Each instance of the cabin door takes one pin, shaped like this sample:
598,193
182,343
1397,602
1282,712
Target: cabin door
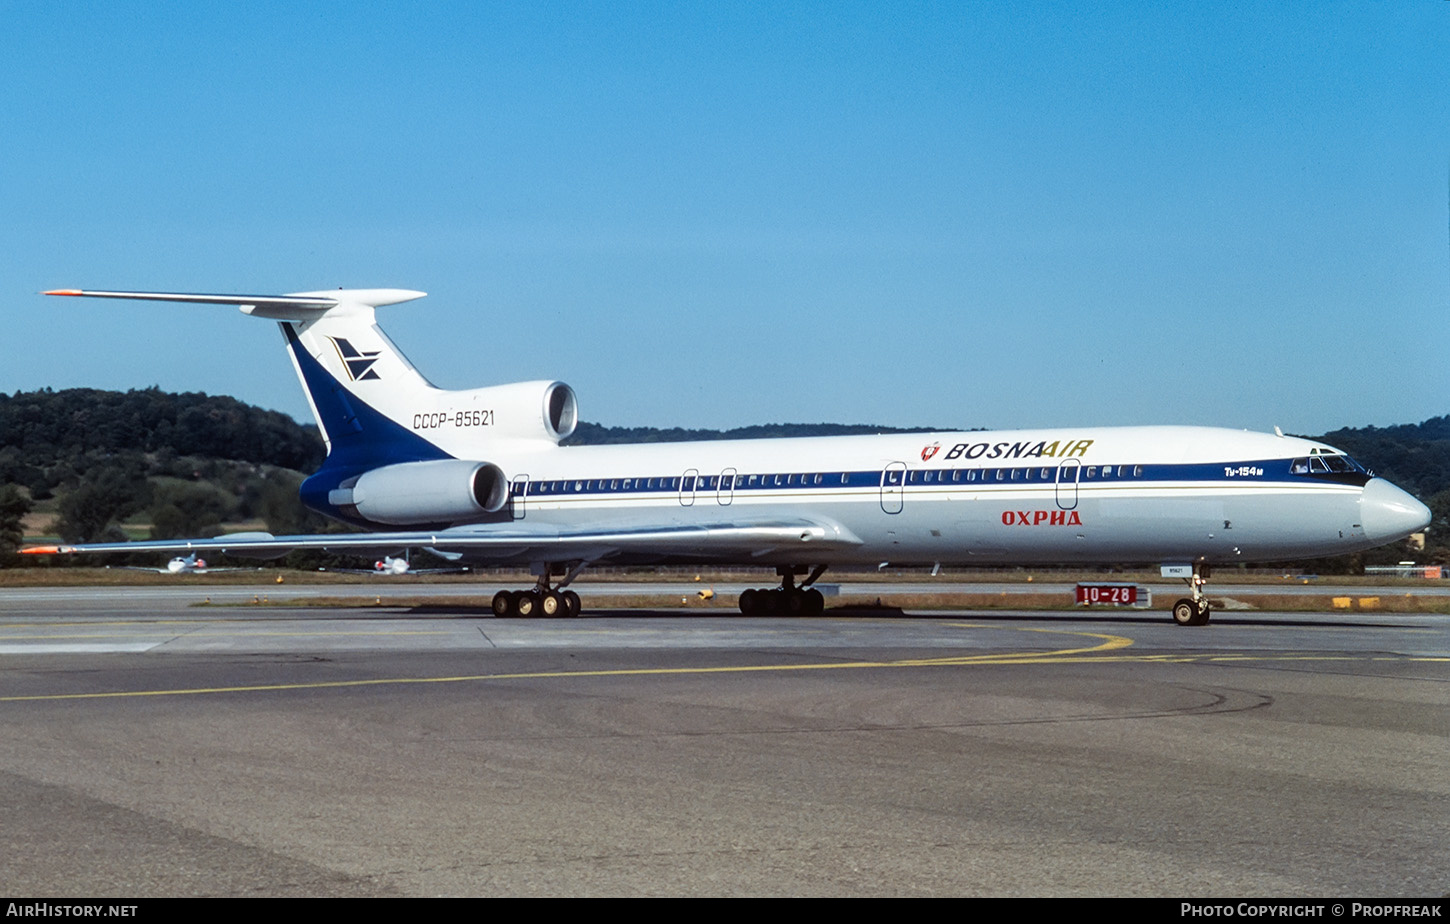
726,492
517,494
893,487
1067,474
687,487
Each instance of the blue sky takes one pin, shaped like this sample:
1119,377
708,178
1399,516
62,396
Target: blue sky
953,214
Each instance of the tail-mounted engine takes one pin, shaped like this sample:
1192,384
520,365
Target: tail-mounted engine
523,410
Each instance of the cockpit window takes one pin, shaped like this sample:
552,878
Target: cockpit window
1325,464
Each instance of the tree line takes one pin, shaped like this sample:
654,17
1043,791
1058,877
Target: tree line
190,462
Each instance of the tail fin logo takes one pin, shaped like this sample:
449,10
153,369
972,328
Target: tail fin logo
359,365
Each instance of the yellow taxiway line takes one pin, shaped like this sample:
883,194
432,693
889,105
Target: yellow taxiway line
1097,653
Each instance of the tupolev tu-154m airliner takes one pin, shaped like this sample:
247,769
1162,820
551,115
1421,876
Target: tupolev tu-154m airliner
478,476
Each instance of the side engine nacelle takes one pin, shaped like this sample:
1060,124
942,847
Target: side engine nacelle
424,493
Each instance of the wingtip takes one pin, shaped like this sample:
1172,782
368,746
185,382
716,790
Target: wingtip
43,550
64,292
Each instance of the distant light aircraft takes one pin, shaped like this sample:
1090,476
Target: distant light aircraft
190,564
478,475
388,566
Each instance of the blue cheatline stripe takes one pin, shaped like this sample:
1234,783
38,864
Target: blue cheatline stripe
362,437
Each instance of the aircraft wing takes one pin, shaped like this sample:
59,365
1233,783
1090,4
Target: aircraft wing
517,542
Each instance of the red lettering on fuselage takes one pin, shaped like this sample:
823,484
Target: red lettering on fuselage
1041,518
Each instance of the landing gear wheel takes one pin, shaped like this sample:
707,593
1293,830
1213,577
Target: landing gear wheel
1184,612
797,602
1188,613
503,604
551,604
815,602
749,602
572,604
526,603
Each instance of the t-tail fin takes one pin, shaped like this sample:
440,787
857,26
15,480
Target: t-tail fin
360,386
373,407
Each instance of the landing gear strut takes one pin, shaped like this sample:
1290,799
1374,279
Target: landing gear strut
541,599
787,599
1194,610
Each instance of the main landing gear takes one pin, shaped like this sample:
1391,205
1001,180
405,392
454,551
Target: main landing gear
787,599
1194,610
541,599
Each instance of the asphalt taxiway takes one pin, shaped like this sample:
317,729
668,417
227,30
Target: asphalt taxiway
149,747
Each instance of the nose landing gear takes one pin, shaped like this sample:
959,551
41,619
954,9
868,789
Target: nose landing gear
1194,610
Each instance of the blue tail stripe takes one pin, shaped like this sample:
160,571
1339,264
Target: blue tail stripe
362,437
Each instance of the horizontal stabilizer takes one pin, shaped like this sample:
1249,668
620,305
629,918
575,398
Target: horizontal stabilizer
298,306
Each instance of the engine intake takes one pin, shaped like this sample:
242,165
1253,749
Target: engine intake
528,410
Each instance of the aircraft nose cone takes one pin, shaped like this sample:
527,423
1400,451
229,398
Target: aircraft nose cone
1387,513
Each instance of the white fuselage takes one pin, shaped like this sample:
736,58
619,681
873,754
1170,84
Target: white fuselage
1082,495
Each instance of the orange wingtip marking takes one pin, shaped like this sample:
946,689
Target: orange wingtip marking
41,550
63,292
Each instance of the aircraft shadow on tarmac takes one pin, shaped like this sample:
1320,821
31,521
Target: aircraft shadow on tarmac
1297,621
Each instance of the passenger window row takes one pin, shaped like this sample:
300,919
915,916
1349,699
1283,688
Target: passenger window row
891,476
